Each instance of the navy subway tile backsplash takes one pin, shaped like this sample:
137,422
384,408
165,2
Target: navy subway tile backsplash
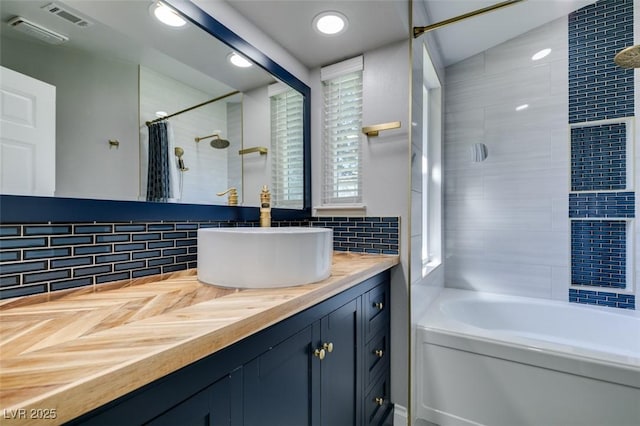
65,256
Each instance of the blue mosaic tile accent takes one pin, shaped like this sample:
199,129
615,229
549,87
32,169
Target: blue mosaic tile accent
598,157
598,253
603,298
602,205
598,89
75,255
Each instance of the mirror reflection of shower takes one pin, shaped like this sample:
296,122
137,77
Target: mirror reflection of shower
217,142
179,152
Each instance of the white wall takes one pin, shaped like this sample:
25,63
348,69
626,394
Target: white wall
506,226
386,176
256,168
97,100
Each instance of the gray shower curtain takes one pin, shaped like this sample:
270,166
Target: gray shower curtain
158,173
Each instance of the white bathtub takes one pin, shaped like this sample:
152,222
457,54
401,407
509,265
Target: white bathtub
504,360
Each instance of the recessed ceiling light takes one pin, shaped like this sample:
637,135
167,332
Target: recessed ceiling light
521,107
541,54
330,23
167,15
238,61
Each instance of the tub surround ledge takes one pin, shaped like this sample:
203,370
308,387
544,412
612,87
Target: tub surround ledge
64,355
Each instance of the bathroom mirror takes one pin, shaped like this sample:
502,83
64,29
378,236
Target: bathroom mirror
121,68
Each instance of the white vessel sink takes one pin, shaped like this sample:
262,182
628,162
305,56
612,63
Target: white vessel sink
264,257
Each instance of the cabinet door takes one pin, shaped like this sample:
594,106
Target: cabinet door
279,384
219,404
340,370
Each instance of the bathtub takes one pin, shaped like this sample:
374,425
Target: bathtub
486,359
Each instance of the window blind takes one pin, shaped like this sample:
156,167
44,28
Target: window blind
342,123
287,174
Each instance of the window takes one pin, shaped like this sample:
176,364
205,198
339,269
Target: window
342,124
287,176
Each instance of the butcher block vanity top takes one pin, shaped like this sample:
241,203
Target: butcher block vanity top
64,354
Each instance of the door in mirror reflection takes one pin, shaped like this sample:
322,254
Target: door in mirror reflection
27,135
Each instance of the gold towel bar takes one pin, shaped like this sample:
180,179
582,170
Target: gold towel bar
261,149
375,130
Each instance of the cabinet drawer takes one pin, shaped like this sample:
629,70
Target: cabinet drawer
376,357
376,310
377,403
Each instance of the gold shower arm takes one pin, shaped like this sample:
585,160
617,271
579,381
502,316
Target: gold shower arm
418,31
198,139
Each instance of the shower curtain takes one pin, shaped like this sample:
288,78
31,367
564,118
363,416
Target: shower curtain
159,173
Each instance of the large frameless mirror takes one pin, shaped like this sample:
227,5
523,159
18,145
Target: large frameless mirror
142,111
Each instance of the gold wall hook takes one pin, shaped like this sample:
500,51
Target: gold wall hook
375,130
261,149
114,142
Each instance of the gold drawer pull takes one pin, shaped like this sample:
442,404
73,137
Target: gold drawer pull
379,305
328,347
379,401
320,353
379,353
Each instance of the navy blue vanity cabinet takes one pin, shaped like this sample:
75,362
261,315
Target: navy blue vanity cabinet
320,367
312,378
377,403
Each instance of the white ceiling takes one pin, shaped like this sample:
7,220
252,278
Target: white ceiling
375,23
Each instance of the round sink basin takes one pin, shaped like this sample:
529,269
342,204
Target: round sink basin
264,257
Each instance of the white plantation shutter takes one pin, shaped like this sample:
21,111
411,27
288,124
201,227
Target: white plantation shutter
342,124
287,175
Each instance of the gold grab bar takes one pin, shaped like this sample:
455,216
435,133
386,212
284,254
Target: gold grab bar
375,130
261,149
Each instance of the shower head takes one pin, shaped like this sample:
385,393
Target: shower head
219,143
628,57
179,152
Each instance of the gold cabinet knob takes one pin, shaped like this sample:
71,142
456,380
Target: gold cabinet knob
328,347
379,305
320,353
379,401
379,353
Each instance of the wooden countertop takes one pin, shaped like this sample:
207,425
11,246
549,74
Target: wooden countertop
66,354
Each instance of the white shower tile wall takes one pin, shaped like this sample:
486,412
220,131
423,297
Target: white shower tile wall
600,218
506,227
38,258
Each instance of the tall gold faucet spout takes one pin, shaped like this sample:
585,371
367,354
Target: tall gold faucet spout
265,207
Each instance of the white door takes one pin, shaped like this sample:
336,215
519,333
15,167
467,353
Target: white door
27,135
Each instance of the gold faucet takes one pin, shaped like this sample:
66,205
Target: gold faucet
265,207
233,196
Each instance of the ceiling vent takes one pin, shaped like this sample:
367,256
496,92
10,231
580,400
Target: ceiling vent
37,31
67,15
